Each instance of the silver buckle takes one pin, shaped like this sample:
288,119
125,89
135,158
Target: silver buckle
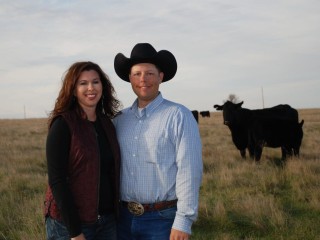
135,208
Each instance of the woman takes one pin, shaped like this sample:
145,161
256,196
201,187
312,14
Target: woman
83,157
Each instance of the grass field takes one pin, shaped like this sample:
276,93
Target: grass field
239,199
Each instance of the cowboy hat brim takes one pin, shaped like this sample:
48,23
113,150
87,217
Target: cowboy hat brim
145,53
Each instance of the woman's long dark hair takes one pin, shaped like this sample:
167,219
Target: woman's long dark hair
66,101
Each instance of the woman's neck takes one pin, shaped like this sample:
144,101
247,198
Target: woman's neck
91,114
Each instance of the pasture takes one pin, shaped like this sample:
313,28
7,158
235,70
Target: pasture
239,199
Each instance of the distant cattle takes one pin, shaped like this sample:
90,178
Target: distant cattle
195,113
205,113
269,127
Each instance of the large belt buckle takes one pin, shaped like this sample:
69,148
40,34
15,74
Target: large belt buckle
135,208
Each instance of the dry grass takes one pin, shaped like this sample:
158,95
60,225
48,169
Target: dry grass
239,199
23,178
244,200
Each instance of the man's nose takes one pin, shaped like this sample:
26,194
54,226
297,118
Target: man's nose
143,77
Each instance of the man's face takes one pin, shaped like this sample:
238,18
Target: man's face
145,79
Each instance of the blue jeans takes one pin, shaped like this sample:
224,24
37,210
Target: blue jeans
154,225
103,229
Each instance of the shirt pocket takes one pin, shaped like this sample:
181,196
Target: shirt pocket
158,149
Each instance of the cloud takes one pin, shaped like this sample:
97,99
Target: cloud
222,47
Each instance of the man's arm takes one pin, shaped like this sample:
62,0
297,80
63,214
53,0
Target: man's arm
189,174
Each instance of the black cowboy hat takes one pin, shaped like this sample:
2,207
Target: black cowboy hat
145,53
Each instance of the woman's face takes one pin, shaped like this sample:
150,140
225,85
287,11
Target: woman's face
88,89
145,79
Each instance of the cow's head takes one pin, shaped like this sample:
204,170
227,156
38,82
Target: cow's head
297,138
228,109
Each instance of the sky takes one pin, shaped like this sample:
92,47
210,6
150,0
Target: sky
264,52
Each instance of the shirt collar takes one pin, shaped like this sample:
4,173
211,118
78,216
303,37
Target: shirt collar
149,108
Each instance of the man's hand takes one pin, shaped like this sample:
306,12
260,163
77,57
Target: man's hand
79,237
178,235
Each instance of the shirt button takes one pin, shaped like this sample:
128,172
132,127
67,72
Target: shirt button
133,155
135,137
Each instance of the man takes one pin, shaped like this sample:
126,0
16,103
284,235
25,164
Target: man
161,152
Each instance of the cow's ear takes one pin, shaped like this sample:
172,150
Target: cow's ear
218,107
301,123
239,104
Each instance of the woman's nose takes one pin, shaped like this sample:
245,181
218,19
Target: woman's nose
90,86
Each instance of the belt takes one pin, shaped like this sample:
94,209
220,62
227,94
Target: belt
138,209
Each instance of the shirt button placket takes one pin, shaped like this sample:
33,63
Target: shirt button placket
136,137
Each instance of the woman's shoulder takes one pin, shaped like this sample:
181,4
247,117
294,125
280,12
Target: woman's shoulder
59,121
59,126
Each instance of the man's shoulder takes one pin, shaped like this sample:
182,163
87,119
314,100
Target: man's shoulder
176,106
121,115
123,111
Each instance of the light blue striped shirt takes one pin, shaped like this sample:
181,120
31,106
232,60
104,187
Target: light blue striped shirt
161,157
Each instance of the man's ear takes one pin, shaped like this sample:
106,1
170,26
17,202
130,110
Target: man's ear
161,76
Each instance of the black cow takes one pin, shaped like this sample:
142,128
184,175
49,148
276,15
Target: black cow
205,113
243,124
195,113
274,133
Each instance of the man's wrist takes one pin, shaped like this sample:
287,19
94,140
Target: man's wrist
182,224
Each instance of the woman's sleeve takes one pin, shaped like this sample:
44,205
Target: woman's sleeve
57,152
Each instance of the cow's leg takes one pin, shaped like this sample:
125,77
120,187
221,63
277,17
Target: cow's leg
243,153
258,153
289,151
253,147
284,153
251,151
296,152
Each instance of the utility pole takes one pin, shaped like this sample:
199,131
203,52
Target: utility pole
262,97
24,112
